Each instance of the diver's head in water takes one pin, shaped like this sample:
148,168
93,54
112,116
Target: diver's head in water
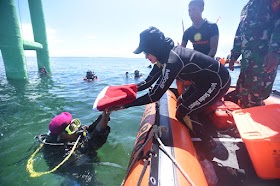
90,74
43,70
136,73
63,128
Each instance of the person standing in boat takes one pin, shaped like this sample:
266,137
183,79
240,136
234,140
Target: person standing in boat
210,80
203,34
257,39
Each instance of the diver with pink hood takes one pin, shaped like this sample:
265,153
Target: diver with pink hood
64,129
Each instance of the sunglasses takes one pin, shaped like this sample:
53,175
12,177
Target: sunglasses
73,126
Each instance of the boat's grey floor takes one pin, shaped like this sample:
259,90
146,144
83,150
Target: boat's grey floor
235,168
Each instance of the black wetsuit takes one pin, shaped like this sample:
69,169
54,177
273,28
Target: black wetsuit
200,37
80,165
210,81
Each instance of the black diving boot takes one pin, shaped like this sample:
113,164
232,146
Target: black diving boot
214,149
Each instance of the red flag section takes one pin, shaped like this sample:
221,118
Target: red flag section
114,96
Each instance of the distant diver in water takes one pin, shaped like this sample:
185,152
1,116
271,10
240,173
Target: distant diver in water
43,70
90,76
126,74
137,74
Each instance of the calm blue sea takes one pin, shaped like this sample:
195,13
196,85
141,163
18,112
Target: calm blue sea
27,107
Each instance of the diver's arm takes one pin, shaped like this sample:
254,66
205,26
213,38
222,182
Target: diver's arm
103,123
99,134
94,124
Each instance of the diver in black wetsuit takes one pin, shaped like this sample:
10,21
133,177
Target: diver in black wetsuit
58,144
90,76
63,130
209,80
137,74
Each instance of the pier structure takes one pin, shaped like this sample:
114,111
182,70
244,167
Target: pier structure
12,45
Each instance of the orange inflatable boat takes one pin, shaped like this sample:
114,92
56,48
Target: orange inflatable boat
163,153
166,154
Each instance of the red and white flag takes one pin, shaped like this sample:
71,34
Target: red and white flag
114,96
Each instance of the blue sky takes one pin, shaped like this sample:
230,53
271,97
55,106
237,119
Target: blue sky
111,28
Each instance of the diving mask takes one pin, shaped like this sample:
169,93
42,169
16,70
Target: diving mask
73,126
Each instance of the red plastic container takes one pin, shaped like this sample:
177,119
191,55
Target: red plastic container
221,114
259,128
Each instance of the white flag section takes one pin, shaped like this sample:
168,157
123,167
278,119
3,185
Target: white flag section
100,96
114,96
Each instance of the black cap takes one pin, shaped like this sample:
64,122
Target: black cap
150,40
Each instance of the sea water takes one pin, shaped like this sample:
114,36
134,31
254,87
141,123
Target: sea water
26,108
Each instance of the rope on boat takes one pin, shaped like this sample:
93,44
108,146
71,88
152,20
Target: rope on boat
147,160
30,162
162,147
156,132
136,159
